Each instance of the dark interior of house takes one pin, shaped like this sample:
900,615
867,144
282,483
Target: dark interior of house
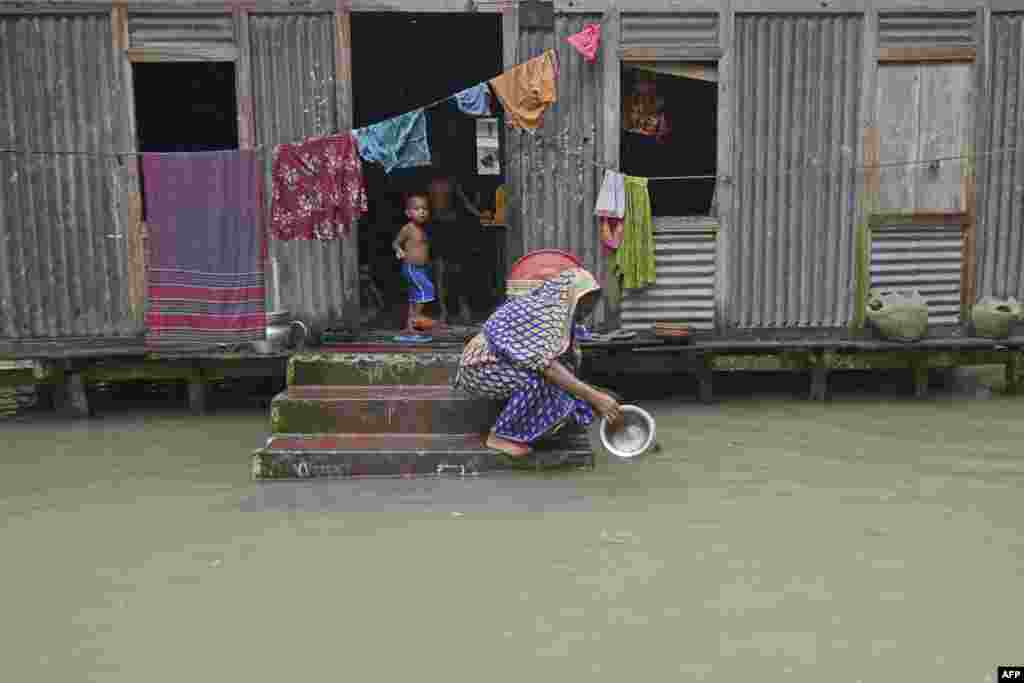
691,149
401,62
185,106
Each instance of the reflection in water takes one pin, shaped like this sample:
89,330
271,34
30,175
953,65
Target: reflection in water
766,540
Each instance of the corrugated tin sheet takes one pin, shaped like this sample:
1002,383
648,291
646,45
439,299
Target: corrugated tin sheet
293,72
685,289
665,32
791,250
1001,175
63,256
926,29
925,258
552,173
145,30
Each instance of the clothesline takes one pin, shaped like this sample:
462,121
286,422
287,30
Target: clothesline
255,148
598,164
857,167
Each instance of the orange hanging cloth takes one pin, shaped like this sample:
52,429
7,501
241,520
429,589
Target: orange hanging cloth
526,91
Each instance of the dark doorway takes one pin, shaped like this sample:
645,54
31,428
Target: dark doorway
401,62
185,106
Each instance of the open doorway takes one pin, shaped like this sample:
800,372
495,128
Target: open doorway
185,106
670,128
386,83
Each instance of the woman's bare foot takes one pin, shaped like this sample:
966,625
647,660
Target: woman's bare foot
516,450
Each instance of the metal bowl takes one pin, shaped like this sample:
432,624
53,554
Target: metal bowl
632,436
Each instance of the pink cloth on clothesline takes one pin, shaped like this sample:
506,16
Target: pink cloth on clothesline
587,41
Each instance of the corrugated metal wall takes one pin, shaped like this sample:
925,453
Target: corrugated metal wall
552,172
293,73
1001,175
148,30
62,239
685,289
664,33
791,250
926,29
925,258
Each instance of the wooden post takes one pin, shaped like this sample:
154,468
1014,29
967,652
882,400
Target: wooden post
1012,369
920,370
868,182
610,40
705,380
243,80
130,198
76,400
978,142
343,93
725,185
819,383
511,137
197,394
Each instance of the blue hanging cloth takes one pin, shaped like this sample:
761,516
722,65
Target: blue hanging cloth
474,101
399,142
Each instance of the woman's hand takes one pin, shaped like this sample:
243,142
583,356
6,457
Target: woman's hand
607,407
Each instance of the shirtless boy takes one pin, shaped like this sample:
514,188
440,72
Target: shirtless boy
413,249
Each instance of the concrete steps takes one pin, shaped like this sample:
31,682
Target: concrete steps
412,409
374,369
303,456
390,414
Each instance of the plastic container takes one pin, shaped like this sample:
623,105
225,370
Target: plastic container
532,270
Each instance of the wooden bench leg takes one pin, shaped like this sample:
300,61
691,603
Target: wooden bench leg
920,381
819,384
705,385
197,396
1012,367
76,403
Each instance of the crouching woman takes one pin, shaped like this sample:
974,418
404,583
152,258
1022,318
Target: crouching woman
527,354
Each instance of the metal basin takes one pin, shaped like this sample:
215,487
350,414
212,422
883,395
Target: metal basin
632,436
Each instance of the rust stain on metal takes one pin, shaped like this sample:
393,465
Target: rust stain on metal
918,55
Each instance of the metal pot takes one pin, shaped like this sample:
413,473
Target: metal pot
281,335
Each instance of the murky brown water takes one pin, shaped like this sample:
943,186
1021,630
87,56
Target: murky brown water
872,539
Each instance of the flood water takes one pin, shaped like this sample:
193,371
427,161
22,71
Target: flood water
874,538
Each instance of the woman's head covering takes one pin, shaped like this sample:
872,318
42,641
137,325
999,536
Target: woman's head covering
534,329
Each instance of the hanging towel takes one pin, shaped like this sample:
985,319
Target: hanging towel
587,41
474,101
634,260
318,189
400,142
611,209
207,248
526,91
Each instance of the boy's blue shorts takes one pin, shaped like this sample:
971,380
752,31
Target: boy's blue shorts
421,288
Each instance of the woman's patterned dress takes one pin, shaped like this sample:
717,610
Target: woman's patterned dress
507,359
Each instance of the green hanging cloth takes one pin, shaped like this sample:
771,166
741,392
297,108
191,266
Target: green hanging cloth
634,259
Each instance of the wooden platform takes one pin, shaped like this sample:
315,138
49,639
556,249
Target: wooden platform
62,370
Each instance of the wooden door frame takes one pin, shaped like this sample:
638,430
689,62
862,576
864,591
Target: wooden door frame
966,217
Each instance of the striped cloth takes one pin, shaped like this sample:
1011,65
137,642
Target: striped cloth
207,248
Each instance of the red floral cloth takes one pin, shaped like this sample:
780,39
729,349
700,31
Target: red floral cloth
318,189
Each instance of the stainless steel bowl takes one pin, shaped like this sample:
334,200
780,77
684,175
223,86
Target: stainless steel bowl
632,436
